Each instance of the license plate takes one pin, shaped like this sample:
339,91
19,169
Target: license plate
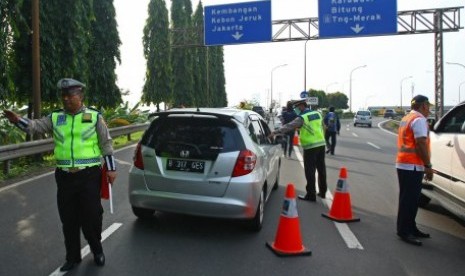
185,165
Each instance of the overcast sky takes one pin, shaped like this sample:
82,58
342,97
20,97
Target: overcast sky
388,59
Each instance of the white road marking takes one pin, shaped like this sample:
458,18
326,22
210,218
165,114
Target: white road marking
373,145
123,162
347,235
387,131
86,249
354,134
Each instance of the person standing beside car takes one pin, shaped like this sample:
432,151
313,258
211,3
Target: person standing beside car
332,127
288,117
312,140
412,164
81,138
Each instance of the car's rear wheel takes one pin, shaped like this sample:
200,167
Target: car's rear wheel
256,223
142,213
369,125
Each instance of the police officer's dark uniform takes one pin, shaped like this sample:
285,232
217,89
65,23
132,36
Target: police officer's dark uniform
81,139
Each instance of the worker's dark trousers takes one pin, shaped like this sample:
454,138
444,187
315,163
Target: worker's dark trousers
409,195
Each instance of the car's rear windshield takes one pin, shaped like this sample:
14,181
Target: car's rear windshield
201,137
363,113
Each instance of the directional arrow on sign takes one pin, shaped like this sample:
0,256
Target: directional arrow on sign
357,28
237,36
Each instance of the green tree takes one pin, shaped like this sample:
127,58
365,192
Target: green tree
157,50
64,42
102,90
8,12
338,100
217,80
200,69
182,61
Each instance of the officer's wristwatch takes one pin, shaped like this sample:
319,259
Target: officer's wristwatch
429,166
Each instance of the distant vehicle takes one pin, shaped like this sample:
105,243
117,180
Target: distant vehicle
448,160
260,110
362,117
212,162
390,113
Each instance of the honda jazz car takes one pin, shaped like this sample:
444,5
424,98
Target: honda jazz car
213,162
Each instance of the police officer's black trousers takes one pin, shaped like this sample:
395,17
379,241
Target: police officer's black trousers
314,160
79,207
409,195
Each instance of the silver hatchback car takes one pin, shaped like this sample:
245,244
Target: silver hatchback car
213,162
362,117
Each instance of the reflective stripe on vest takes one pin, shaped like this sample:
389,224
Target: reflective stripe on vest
76,141
311,132
406,150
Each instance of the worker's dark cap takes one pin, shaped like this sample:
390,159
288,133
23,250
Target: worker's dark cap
418,99
68,84
298,102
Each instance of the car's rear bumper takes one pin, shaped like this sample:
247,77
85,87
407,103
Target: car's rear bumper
234,204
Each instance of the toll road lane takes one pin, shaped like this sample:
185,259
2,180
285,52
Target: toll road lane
171,244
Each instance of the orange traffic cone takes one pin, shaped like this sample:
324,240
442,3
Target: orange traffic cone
295,142
341,209
288,241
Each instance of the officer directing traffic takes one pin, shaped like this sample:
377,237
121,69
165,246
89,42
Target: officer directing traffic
81,138
312,140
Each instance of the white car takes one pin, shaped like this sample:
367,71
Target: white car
448,159
362,117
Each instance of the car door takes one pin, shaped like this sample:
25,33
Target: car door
442,151
457,144
270,151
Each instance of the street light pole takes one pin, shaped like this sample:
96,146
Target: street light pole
271,89
409,77
305,65
463,66
350,85
456,63
460,86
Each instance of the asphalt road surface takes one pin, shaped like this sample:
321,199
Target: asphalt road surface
32,243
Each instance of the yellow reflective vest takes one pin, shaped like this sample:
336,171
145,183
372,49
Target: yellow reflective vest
76,141
312,133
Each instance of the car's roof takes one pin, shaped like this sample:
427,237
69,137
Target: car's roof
239,114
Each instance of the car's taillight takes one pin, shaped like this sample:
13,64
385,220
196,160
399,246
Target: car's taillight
138,161
245,163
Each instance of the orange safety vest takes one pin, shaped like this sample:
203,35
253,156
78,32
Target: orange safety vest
406,151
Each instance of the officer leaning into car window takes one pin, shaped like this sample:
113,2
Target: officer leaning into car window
312,140
81,138
413,164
